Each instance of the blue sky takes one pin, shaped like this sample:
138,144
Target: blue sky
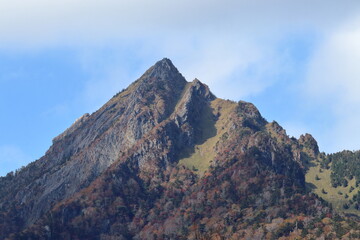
297,61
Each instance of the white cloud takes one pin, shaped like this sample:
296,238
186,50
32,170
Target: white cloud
334,79
231,45
235,70
43,22
12,158
221,61
218,42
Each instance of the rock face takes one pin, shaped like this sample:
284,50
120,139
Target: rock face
94,142
115,174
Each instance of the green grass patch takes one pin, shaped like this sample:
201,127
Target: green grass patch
320,183
200,157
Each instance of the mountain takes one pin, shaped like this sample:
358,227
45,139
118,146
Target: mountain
166,159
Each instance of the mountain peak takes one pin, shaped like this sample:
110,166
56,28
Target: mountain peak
162,68
139,166
164,63
163,71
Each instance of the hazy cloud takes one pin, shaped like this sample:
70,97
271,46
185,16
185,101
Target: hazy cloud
234,46
334,80
42,23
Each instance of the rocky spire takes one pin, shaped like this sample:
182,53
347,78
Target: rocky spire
163,71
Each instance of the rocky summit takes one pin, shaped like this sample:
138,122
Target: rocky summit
167,159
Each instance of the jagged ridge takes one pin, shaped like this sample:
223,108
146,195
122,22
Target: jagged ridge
129,169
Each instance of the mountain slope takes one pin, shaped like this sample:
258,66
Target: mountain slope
165,159
336,177
93,143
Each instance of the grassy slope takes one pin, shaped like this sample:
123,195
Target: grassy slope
332,194
202,155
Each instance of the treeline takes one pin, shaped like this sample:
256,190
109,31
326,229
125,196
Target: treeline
344,167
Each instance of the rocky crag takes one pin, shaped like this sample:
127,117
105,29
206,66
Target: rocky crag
166,159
